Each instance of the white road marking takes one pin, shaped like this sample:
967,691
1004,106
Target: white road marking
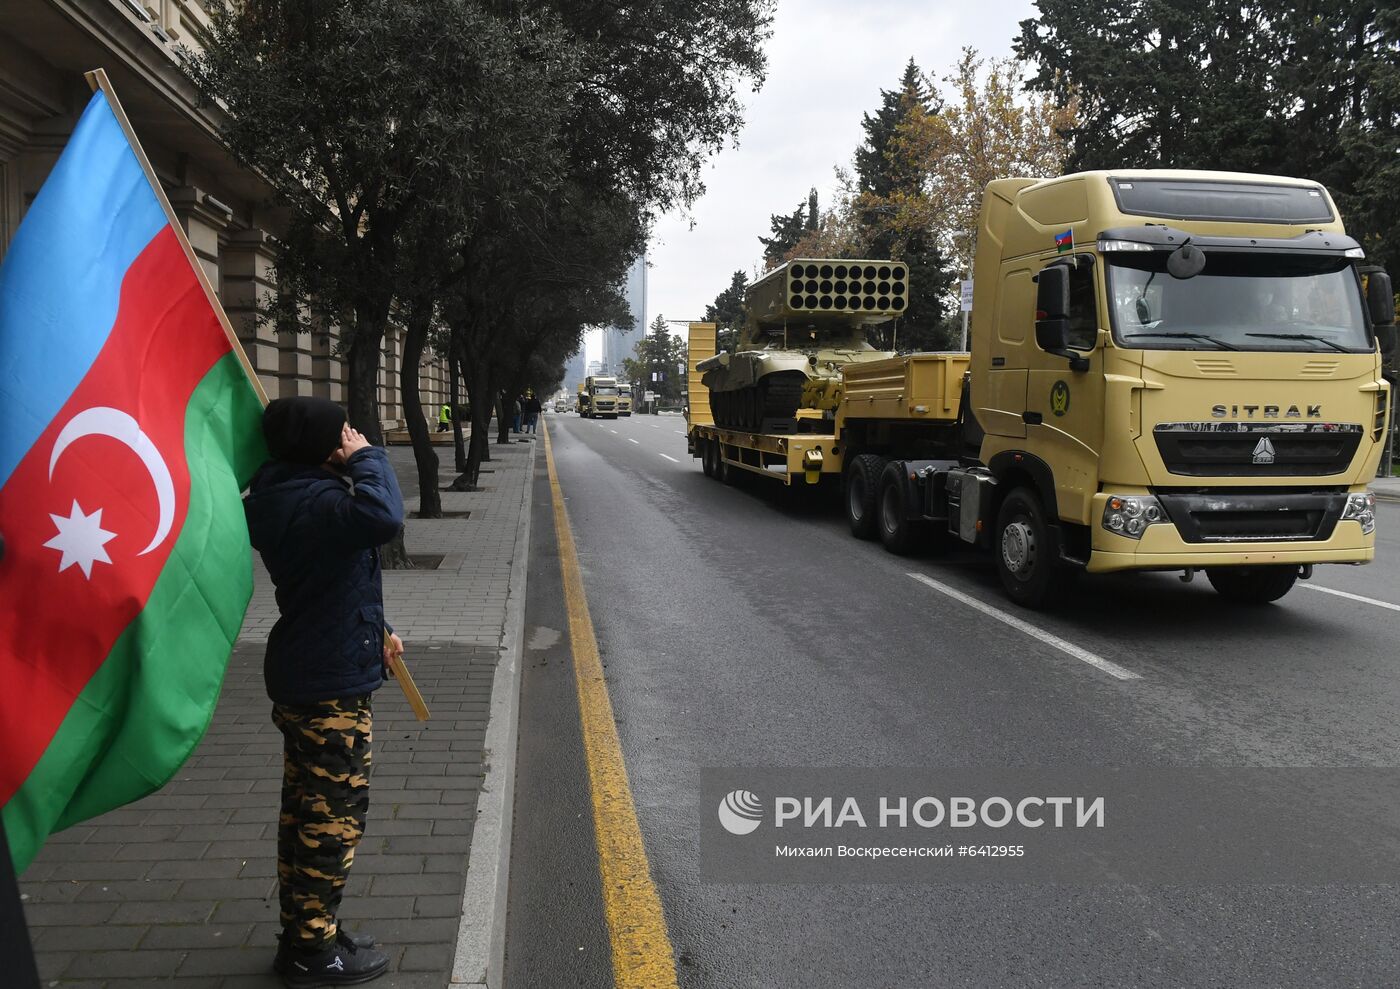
631,440
672,459
653,427
1351,597
1068,648
613,431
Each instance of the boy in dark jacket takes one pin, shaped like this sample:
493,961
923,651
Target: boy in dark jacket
317,513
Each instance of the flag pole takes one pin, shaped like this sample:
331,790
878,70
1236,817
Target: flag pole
97,79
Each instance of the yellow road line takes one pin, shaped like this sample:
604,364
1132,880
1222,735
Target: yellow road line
641,948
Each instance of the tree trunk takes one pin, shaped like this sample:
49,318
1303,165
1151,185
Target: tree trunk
454,395
362,363
478,381
415,338
362,374
504,418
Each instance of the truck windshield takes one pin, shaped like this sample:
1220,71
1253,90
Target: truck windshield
1241,301
604,390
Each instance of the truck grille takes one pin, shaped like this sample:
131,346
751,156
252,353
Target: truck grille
1249,516
1234,449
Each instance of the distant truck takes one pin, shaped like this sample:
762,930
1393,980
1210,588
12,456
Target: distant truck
581,400
624,399
598,397
1170,370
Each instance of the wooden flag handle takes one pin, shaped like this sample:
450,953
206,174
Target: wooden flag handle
401,674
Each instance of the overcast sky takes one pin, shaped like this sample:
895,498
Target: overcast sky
827,62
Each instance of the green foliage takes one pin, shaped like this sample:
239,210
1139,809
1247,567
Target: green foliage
874,172
728,312
487,170
1308,89
660,365
788,230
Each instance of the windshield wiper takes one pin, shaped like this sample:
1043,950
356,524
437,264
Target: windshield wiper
1301,336
1186,336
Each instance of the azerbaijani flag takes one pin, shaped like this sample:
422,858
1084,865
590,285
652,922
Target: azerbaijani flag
1065,241
128,429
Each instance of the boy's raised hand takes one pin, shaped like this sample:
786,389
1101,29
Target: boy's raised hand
352,441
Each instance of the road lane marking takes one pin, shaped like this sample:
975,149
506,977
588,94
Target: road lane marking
678,432
1351,597
653,426
641,947
1054,641
613,431
672,459
631,440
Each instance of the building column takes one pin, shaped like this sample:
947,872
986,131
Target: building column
328,371
246,262
205,220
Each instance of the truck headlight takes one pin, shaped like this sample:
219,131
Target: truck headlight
1130,515
1362,508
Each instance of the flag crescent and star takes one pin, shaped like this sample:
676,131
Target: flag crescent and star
80,538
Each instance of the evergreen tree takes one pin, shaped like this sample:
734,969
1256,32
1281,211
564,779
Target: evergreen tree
872,166
788,230
728,312
661,361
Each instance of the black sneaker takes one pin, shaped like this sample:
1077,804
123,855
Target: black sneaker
342,964
342,934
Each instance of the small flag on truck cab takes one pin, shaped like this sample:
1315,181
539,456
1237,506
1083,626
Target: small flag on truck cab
1065,241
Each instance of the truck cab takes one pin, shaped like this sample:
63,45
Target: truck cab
624,398
602,397
1176,370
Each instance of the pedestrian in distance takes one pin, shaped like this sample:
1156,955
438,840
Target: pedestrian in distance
444,419
318,512
514,405
532,412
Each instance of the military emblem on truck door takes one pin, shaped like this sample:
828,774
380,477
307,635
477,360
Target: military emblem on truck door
1263,451
1059,398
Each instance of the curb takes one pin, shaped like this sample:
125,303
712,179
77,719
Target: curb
479,958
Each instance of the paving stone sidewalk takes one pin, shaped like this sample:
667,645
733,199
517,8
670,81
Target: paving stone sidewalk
180,887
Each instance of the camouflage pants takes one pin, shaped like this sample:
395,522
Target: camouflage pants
325,794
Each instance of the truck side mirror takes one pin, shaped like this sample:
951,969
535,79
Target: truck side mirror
1052,316
1380,300
1052,293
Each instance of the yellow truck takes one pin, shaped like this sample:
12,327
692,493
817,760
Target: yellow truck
581,400
598,398
624,399
1169,370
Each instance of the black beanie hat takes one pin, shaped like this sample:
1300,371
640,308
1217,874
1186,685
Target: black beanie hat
302,430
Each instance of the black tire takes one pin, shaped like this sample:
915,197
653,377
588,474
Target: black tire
707,462
860,487
900,534
729,475
1027,559
1253,585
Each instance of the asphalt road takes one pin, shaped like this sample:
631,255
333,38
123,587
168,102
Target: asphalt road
739,629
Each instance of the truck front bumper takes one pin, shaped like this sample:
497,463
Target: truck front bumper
1163,547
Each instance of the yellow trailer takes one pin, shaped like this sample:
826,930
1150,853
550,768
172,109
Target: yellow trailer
879,404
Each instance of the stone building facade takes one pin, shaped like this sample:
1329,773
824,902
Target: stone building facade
46,46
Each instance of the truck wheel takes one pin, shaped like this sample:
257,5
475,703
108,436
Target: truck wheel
723,470
707,464
1252,585
862,490
900,534
1026,558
